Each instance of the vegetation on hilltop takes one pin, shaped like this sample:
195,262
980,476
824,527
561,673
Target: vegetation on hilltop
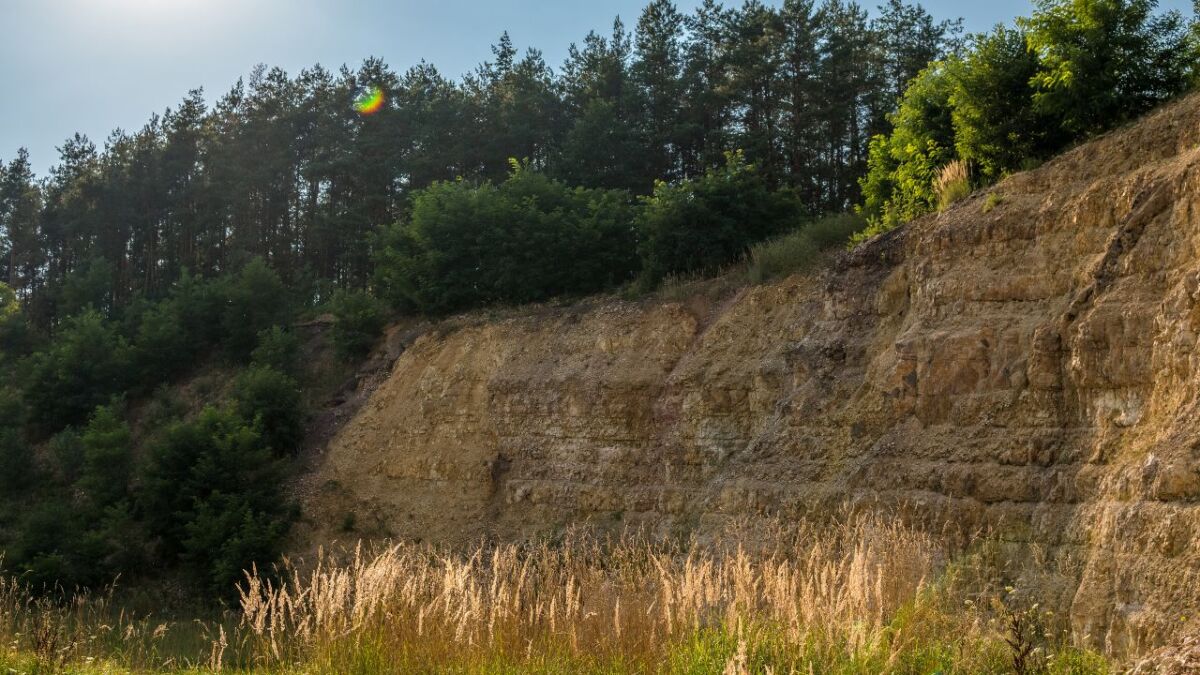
1018,95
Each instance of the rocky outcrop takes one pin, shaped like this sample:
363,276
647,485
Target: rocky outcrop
1027,362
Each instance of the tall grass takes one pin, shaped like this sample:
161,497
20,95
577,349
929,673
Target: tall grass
802,249
863,594
952,183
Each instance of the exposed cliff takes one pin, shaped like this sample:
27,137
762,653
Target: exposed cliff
1030,365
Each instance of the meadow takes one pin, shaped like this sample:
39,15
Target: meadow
864,594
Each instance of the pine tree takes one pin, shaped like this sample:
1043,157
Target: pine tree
656,74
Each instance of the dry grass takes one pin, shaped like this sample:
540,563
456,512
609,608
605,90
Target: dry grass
862,595
616,599
953,183
865,594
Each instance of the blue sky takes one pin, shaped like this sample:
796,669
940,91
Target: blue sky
96,65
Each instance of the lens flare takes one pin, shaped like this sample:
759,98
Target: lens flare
369,102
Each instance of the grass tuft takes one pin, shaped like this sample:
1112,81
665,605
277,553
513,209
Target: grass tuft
952,184
802,249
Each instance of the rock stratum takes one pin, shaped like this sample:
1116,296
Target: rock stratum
1027,362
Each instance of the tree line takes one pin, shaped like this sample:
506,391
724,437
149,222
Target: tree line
284,169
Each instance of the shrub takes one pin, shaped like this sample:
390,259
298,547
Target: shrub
279,349
107,445
66,456
702,225
360,319
86,365
1105,62
255,300
270,401
88,287
208,474
16,460
527,239
901,167
201,307
9,307
162,346
996,125
779,257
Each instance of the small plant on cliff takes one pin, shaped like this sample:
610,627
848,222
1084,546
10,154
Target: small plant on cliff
953,183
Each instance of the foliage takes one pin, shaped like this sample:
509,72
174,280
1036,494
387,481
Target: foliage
1105,62
1017,95
107,445
701,225
9,307
86,364
262,170
278,349
162,345
16,460
359,320
996,127
902,166
472,245
269,400
89,287
208,474
256,299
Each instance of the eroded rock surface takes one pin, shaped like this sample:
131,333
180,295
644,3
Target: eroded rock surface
1032,369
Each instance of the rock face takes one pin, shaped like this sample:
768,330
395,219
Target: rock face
1027,361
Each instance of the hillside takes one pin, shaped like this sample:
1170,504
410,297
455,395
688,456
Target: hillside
1024,362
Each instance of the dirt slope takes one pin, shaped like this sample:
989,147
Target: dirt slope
1031,368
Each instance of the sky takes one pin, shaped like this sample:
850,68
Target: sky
96,65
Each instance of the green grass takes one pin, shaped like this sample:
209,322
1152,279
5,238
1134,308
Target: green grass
993,200
802,249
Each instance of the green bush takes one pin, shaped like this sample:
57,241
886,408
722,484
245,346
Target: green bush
107,445
527,239
201,307
162,346
279,349
212,473
66,456
86,365
88,287
1105,62
270,401
16,460
901,167
255,300
702,225
360,319
1017,95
